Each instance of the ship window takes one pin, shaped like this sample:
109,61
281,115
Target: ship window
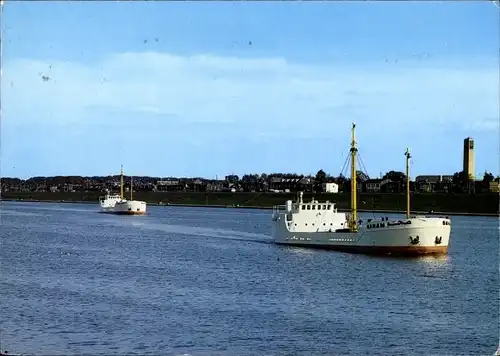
303,207
306,224
329,207
314,207
313,224
324,207
308,207
324,224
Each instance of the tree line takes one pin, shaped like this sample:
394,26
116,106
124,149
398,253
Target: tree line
321,177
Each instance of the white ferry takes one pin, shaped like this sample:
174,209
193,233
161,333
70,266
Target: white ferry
117,204
320,225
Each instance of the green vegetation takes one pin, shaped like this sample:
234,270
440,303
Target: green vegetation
481,204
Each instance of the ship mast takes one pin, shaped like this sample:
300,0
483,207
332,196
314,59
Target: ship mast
131,188
121,182
408,156
352,223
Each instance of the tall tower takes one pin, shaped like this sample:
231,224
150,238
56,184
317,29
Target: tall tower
469,158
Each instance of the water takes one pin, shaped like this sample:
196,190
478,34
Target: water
209,282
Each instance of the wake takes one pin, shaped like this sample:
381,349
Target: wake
196,231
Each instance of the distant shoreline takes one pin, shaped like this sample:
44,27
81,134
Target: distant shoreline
216,206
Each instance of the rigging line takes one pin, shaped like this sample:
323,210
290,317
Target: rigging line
345,166
364,170
362,164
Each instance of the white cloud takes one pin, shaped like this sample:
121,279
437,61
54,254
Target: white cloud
270,95
159,95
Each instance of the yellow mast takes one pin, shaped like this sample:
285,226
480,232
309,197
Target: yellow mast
408,156
121,182
352,223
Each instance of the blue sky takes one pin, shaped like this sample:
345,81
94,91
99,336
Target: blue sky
212,88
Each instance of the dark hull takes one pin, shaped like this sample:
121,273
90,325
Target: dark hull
123,212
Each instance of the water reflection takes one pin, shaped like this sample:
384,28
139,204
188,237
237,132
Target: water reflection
434,259
430,265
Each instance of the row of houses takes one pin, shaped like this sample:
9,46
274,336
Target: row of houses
423,184
447,183
426,184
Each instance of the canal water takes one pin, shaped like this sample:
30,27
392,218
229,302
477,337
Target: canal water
201,281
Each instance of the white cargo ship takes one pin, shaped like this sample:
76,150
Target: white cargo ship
320,225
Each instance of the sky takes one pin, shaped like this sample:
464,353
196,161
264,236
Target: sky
215,88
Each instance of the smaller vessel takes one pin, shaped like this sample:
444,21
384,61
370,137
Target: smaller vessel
117,204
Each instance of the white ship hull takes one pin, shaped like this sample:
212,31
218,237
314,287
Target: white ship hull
107,209
127,207
414,236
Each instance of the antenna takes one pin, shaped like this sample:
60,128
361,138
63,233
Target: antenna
121,182
353,151
408,156
131,189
